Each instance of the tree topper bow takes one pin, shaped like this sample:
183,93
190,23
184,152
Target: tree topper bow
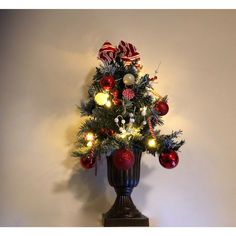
126,51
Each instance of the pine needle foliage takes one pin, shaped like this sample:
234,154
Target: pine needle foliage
100,120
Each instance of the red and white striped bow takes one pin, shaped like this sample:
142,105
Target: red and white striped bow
107,53
128,52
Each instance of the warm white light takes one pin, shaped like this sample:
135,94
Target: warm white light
101,98
143,108
90,144
129,133
89,137
152,143
108,104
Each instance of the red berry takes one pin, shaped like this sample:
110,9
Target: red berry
115,93
116,101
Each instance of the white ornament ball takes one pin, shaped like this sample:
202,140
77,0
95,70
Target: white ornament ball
116,120
143,113
131,115
123,121
132,120
144,122
129,79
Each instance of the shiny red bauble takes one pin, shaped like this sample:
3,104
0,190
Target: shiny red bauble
162,108
87,162
123,159
169,159
107,83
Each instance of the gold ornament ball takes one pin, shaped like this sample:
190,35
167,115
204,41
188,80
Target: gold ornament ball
129,79
101,98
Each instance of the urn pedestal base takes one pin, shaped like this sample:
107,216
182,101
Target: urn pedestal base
123,212
125,222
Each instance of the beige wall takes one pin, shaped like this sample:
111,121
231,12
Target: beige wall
47,58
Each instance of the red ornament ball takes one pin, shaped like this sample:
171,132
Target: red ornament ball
123,159
107,83
87,162
162,108
169,159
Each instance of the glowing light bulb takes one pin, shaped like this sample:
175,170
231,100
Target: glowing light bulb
101,98
152,143
89,137
89,144
108,104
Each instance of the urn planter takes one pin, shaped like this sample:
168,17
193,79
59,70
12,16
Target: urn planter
124,212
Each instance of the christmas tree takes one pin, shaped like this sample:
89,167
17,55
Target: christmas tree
122,112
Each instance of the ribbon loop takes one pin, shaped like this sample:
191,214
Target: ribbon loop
128,52
107,53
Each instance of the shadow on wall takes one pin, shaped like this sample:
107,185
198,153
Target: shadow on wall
89,190
92,191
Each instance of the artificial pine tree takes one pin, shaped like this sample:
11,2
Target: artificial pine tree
123,111
123,117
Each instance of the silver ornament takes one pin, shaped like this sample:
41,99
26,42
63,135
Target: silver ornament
123,121
144,122
116,120
131,115
129,79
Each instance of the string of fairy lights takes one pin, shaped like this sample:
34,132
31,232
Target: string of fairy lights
137,120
